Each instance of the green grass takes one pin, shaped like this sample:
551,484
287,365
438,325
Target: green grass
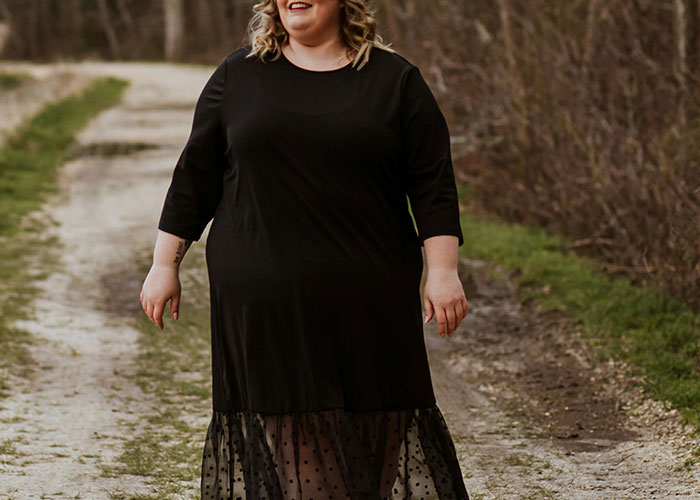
657,336
30,157
174,369
28,164
11,80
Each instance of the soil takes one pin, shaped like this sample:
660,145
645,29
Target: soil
70,418
533,412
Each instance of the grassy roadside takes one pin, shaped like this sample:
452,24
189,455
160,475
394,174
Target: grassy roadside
658,337
28,165
10,80
174,368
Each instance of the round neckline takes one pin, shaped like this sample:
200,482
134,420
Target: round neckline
313,70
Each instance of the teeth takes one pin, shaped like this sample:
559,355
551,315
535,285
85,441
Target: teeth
298,4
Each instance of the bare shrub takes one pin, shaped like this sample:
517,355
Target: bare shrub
580,116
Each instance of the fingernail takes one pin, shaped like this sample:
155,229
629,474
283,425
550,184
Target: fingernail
175,315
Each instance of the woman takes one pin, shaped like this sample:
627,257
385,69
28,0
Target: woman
304,146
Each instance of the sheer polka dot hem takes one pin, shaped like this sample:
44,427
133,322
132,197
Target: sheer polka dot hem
333,454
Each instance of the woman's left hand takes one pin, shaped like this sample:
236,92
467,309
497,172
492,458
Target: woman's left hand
443,297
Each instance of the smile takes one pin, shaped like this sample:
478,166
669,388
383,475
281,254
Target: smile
299,6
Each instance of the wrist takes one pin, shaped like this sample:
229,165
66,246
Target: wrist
166,266
441,270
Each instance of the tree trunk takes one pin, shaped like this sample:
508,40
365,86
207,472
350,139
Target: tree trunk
174,18
45,30
133,47
220,24
77,25
681,54
6,27
392,24
241,16
514,80
33,29
591,21
64,28
106,22
204,21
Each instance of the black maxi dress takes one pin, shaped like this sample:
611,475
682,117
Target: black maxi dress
321,383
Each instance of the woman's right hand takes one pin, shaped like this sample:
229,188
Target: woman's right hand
162,284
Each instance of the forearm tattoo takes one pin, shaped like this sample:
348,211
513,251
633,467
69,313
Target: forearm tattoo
182,247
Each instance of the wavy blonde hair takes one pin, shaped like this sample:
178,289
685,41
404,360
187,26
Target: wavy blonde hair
266,34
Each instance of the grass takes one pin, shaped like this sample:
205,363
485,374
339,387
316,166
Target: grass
174,369
12,80
29,161
657,336
30,157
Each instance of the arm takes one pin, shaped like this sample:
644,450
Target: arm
191,201
432,191
196,186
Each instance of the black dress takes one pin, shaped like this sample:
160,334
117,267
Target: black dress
321,383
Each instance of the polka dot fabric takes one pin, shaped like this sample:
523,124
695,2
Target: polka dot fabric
333,454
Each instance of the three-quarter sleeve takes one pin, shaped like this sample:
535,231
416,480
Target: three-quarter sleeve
427,169
196,185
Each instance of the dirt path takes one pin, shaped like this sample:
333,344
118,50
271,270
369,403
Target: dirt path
50,83
533,414
69,418
536,416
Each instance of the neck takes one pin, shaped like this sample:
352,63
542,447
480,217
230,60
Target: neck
331,48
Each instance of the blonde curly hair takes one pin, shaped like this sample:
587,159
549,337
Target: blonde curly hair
266,34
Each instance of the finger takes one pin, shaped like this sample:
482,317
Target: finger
175,306
441,319
465,304
158,314
428,308
450,313
149,311
459,309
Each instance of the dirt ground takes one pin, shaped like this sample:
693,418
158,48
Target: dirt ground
533,413
536,415
70,417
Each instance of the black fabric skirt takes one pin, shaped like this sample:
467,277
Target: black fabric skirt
333,454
